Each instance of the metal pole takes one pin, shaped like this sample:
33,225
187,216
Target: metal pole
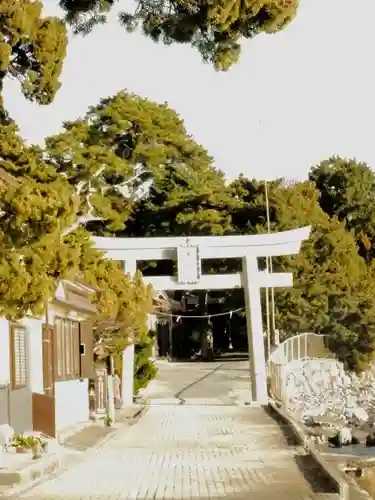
270,267
268,321
266,291
272,302
170,347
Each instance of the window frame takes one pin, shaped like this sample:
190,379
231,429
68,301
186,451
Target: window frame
19,363
67,353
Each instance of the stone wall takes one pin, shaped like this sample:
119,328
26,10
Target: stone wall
318,387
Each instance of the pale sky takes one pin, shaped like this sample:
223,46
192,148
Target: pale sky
294,99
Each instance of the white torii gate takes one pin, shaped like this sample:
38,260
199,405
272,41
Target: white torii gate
189,253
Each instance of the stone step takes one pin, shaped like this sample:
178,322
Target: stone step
162,401
88,437
325,496
204,401
27,471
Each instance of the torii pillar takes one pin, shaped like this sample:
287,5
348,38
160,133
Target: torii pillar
189,253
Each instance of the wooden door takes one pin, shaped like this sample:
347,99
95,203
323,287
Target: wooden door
86,349
43,405
48,360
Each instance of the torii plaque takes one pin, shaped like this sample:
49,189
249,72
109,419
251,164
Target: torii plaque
189,253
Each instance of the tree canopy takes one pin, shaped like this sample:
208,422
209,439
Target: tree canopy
130,168
143,169
32,49
216,29
33,212
333,290
37,248
347,191
183,200
173,188
123,303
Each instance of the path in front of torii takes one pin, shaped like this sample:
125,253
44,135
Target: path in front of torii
207,448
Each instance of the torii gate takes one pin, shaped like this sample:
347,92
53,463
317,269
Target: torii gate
189,253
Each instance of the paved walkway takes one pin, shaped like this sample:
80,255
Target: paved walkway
186,452
223,382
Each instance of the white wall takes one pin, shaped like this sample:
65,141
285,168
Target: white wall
34,353
71,396
4,406
20,410
57,310
17,404
20,400
152,321
72,403
4,371
4,352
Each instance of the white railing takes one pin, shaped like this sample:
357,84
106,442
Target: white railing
298,347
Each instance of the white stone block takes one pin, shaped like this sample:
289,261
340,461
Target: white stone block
345,436
6,435
361,414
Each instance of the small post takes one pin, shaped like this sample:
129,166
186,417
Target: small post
258,371
127,382
130,268
2,456
111,412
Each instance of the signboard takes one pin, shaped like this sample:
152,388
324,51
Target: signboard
188,264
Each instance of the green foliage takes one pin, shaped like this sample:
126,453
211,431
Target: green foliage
32,49
215,28
144,369
126,142
347,191
36,251
33,213
41,203
333,290
123,304
183,200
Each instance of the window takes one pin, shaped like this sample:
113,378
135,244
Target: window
18,356
67,355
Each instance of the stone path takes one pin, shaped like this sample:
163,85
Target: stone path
87,437
186,452
220,382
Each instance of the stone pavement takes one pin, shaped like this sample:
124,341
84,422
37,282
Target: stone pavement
221,382
187,452
88,437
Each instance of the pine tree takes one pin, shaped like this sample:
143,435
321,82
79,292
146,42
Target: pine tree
37,249
32,49
347,191
333,290
183,200
33,212
216,28
137,160
123,303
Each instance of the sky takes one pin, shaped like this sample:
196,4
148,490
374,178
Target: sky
294,99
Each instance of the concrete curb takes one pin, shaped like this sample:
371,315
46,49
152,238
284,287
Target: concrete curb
32,472
338,481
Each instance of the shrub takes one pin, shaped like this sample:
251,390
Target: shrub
144,369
